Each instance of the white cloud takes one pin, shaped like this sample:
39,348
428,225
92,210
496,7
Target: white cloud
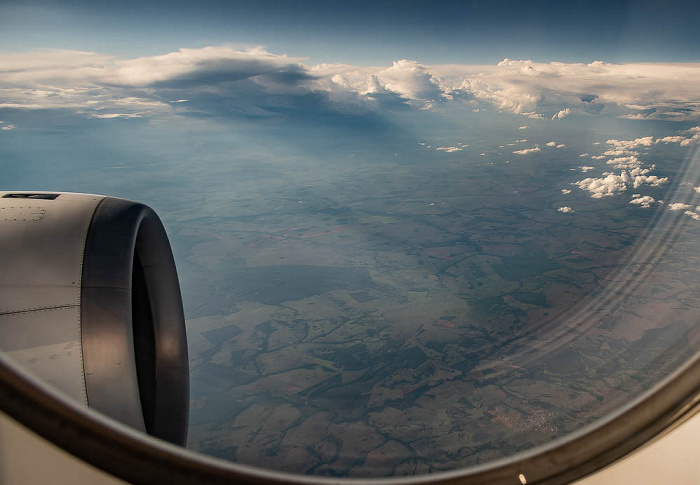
598,157
678,206
690,141
625,162
697,189
683,140
7,127
251,79
116,115
521,141
586,169
583,155
562,114
449,149
411,80
551,143
618,152
561,145
645,141
671,139
651,180
604,186
525,151
565,209
644,201
692,215
565,191
524,127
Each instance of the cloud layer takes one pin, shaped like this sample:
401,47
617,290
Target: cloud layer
253,82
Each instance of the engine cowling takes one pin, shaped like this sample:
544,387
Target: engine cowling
91,303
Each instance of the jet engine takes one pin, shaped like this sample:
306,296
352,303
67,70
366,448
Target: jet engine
90,303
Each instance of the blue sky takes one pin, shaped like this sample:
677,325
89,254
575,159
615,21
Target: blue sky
366,32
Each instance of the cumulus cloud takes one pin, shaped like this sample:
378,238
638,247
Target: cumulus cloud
565,210
671,139
604,186
525,151
598,157
562,114
625,162
678,206
683,141
651,180
586,169
583,155
524,127
642,201
561,145
692,215
565,191
551,143
449,149
645,141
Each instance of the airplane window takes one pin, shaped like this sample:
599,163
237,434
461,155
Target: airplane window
411,238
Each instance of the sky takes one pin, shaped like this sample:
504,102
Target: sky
366,32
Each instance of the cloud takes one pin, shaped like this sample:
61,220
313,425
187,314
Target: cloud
521,141
683,140
678,206
561,145
651,180
586,169
565,191
671,139
231,82
625,162
604,186
551,144
449,149
565,209
6,127
524,127
644,201
525,151
562,114
116,115
598,157
583,155
692,215
629,145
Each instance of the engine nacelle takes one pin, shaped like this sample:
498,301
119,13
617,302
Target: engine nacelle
90,302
